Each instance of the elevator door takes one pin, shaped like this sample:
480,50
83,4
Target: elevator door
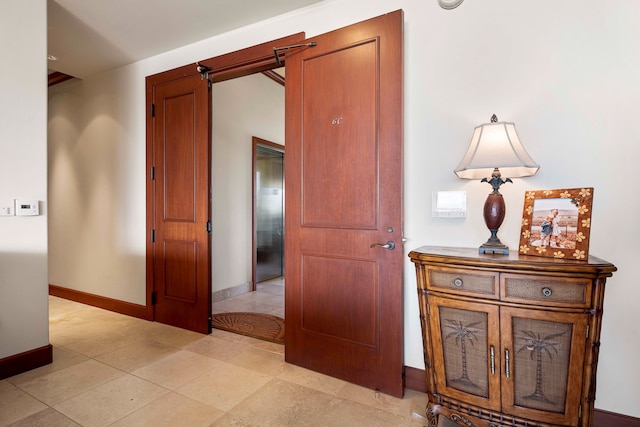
269,186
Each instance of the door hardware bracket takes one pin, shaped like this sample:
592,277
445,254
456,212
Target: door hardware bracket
203,70
276,50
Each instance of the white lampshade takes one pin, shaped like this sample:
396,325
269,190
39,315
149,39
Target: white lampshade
496,145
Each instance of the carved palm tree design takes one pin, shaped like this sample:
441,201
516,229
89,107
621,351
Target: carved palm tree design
535,344
462,334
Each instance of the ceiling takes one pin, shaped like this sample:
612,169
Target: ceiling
91,36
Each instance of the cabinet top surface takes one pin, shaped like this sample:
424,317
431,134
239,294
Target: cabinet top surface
471,257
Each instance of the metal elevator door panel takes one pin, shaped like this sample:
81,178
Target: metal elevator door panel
269,213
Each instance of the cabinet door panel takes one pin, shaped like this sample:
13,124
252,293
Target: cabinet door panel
466,350
543,376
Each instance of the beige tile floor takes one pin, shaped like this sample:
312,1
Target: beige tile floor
115,370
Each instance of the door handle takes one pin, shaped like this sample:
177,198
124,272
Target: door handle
507,371
389,245
492,353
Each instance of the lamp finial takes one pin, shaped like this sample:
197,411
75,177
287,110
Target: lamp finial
496,180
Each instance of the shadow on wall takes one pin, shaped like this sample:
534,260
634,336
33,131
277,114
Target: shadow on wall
22,271
24,290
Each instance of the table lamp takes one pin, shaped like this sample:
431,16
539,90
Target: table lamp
495,149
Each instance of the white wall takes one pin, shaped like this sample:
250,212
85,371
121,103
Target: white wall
567,73
97,181
97,186
23,174
242,108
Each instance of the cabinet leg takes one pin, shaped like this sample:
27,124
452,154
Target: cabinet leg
432,417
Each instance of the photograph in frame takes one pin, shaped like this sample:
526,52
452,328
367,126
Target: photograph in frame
557,223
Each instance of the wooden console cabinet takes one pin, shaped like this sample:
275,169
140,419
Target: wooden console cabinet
509,340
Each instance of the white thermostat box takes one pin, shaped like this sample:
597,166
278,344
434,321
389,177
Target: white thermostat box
27,207
449,204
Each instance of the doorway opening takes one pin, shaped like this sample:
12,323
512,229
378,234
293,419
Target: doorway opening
247,142
268,210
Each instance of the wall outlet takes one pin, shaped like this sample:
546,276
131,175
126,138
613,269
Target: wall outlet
6,210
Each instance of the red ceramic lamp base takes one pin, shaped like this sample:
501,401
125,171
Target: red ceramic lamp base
494,211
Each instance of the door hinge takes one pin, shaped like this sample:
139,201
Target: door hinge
153,236
209,228
154,298
153,173
153,110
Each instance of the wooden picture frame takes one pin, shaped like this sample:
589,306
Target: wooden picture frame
557,223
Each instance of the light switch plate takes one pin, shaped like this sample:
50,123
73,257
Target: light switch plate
449,204
27,207
6,210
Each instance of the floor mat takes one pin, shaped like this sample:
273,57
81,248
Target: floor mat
257,325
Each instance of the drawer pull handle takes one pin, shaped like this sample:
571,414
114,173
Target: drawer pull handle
457,282
547,292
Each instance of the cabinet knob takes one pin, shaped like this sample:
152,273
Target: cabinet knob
457,282
546,292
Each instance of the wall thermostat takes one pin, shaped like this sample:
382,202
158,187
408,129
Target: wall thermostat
27,207
449,204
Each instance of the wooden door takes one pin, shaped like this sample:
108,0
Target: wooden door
181,207
543,357
343,167
466,350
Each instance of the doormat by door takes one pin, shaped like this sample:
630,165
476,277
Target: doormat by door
257,325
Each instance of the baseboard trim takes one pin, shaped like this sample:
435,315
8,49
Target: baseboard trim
605,419
232,292
122,307
415,379
19,363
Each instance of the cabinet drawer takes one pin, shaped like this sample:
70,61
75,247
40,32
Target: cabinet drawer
463,282
548,290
